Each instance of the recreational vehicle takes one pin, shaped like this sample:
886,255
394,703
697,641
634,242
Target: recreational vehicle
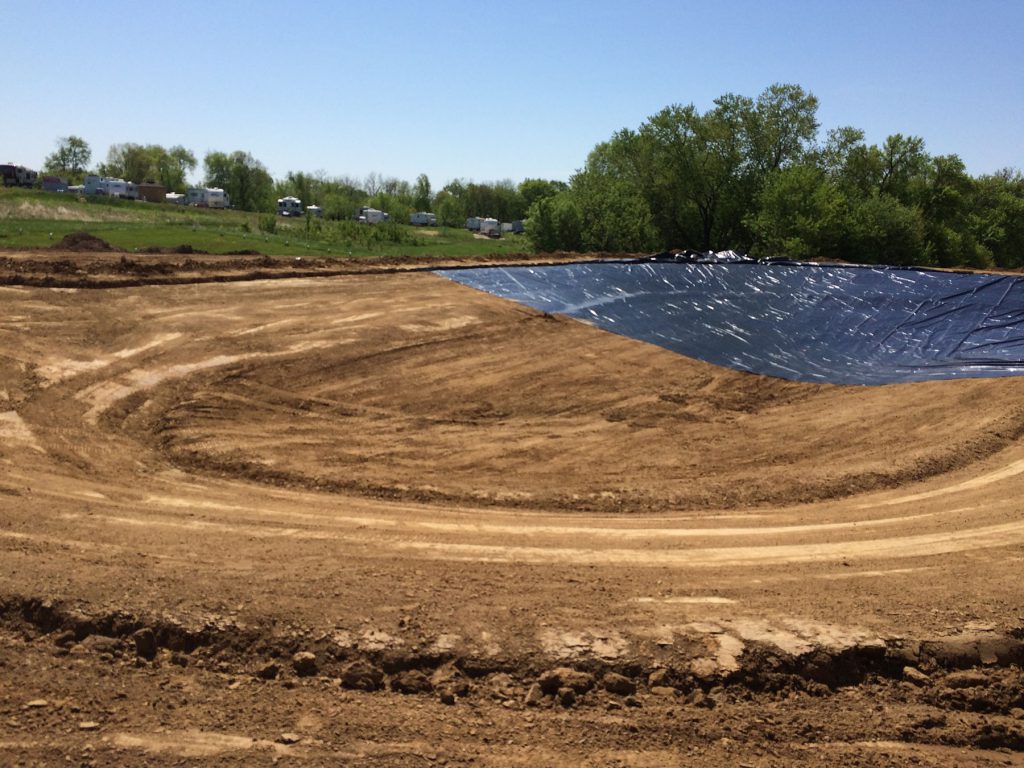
207,197
17,176
289,206
423,219
371,216
102,185
490,227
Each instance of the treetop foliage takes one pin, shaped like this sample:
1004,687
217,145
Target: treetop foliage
753,175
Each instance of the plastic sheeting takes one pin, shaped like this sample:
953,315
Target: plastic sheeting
805,322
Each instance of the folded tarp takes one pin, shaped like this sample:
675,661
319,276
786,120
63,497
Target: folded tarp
805,322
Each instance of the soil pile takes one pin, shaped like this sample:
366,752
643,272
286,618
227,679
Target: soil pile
82,242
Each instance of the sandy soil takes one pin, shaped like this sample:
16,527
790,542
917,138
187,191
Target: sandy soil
502,538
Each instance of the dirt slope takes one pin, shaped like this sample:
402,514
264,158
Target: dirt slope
198,481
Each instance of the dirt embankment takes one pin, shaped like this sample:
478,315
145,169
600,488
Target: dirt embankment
81,260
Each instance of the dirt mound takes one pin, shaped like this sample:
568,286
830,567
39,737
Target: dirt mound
82,241
178,249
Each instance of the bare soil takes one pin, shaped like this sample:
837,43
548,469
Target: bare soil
366,516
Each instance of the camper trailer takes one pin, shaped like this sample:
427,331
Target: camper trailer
490,227
315,211
473,223
54,184
217,198
207,197
289,206
423,219
102,185
371,216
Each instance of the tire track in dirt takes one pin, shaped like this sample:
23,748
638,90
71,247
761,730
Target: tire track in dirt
386,377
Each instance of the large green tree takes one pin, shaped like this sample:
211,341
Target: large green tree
243,177
421,193
70,159
152,163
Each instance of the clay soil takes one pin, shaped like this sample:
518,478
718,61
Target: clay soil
366,516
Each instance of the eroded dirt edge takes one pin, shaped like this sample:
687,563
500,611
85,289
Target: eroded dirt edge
972,670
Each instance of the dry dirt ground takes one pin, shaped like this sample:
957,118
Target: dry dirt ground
370,517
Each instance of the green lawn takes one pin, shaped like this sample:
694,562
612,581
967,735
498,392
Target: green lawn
31,219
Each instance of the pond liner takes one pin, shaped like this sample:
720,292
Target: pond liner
836,324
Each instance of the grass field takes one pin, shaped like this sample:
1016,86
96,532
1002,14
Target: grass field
31,219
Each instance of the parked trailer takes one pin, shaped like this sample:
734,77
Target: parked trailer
473,223
17,176
54,184
371,216
315,211
423,219
217,198
207,197
102,185
289,206
490,227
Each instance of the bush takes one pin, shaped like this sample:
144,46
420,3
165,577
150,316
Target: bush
268,224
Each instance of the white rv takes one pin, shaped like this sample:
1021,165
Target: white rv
315,211
372,216
289,206
207,197
101,185
217,198
490,227
423,219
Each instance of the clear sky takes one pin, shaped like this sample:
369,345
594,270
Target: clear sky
487,91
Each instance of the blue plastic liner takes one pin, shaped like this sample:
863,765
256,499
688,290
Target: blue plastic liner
804,322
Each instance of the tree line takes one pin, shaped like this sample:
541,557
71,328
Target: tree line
750,174
754,175
252,188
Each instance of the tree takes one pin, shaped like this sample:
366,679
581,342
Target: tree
553,224
996,217
781,127
152,163
613,215
174,165
800,214
132,162
243,177
902,159
70,159
421,193
449,209
532,190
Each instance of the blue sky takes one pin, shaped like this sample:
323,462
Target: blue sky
488,91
